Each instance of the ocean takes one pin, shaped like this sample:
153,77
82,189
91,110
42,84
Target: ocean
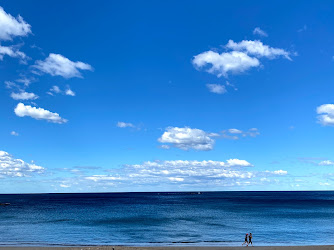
154,219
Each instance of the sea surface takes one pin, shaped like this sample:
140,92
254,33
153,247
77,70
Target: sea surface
153,219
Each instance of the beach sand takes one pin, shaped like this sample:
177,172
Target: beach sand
173,248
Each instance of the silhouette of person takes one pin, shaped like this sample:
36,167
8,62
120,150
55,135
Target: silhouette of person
250,239
246,240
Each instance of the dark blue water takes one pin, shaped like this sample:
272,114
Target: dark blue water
209,218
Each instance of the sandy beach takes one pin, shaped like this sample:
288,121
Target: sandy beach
173,248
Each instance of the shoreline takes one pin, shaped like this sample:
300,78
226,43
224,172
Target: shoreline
315,247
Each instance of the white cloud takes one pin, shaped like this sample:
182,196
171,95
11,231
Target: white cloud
258,49
56,90
324,184
326,163
64,185
25,81
167,172
178,175
125,125
216,88
280,172
244,56
9,166
234,131
10,85
102,178
23,96
176,179
12,52
14,133
22,110
237,162
276,172
11,27
187,138
234,134
258,31
58,65
69,92
326,114
224,63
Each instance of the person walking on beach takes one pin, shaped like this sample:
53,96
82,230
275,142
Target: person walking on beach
246,240
250,239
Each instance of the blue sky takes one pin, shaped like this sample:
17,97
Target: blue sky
166,96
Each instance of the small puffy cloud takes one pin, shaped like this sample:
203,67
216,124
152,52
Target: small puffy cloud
237,162
224,63
12,52
324,184
23,96
9,166
64,185
11,27
326,114
58,65
326,163
69,92
175,179
216,88
280,172
258,49
242,57
22,110
258,31
187,138
125,125
234,131
56,90
235,134
14,133
276,172
102,178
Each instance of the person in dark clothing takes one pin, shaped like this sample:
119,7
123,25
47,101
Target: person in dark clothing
250,239
246,240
